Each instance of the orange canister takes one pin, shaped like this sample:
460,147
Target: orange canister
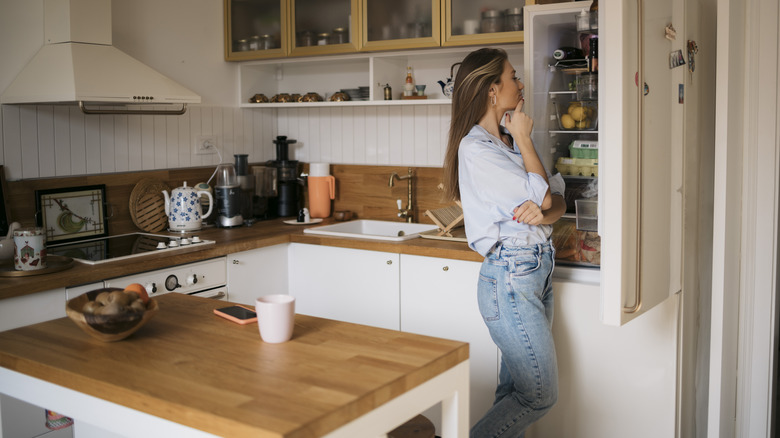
322,189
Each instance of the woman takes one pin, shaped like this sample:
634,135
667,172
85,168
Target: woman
509,203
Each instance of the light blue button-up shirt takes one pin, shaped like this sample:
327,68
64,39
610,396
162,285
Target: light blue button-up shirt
493,182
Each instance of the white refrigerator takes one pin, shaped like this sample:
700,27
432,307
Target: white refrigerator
629,189
618,313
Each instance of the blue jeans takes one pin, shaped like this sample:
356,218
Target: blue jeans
516,301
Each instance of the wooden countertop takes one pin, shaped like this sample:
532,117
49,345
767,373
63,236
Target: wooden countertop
192,367
232,240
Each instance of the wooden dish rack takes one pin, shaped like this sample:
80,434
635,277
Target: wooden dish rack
447,218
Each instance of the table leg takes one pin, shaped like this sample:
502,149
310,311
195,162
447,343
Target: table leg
450,387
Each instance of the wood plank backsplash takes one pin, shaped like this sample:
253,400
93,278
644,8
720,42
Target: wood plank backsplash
41,141
364,190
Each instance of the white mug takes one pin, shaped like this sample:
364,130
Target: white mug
29,249
275,317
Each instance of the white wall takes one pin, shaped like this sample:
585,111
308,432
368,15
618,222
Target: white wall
183,39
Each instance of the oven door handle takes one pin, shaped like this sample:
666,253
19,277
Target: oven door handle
218,296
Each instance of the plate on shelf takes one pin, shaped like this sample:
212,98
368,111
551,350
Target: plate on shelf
295,222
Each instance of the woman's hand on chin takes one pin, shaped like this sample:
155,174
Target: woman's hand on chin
519,123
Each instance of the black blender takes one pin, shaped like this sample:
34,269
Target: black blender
288,200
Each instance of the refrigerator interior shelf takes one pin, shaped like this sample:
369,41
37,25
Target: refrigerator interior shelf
557,131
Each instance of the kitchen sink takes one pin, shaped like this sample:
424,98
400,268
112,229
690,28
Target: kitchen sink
373,229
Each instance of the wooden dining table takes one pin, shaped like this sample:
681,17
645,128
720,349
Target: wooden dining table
189,372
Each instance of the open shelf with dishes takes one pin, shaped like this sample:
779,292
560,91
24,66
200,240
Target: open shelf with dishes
365,73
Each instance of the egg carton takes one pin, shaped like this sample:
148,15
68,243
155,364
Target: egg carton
584,149
578,166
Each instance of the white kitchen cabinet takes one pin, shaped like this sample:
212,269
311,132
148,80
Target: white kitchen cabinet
345,284
613,382
34,308
439,298
257,272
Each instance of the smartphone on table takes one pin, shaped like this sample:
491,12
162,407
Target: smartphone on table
237,314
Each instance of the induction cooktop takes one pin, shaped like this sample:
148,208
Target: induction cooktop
123,246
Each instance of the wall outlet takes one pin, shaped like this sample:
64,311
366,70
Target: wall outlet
205,145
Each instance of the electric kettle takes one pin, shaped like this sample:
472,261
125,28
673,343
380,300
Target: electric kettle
183,208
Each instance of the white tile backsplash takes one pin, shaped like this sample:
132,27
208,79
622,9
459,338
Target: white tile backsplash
38,141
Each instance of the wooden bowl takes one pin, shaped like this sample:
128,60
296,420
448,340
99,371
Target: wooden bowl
342,215
108,328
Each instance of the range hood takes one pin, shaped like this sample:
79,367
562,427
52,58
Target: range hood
79,65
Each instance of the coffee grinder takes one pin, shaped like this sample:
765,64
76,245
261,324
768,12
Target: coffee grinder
228,197
288,200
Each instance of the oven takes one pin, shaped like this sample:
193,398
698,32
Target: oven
207,279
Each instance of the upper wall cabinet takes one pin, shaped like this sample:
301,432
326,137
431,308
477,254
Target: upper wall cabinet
469,22
255,29
263,29
319,27
400,24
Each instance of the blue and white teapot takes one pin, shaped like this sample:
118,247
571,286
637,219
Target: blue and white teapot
448,86
183,208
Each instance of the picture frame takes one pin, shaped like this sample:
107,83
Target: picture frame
5,214
72,213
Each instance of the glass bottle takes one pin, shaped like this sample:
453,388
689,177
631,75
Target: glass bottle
594,15
409,85
583,21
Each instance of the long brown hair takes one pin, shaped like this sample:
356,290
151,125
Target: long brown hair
477,72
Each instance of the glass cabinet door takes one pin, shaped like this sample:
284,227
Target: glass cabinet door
323,26
400,24
255,29
468,22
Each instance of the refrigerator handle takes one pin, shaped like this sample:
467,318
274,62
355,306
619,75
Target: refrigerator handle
640,88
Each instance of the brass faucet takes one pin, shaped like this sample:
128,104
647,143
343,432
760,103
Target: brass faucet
407,213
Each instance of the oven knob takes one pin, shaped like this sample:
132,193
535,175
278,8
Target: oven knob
172,282
150,288
192,279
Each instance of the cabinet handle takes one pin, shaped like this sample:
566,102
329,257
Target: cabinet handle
389,262
235,262
445,269
640,87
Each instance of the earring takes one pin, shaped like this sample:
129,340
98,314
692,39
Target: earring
493,100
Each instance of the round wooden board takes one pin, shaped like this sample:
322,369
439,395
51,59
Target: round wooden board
147,205
54,263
